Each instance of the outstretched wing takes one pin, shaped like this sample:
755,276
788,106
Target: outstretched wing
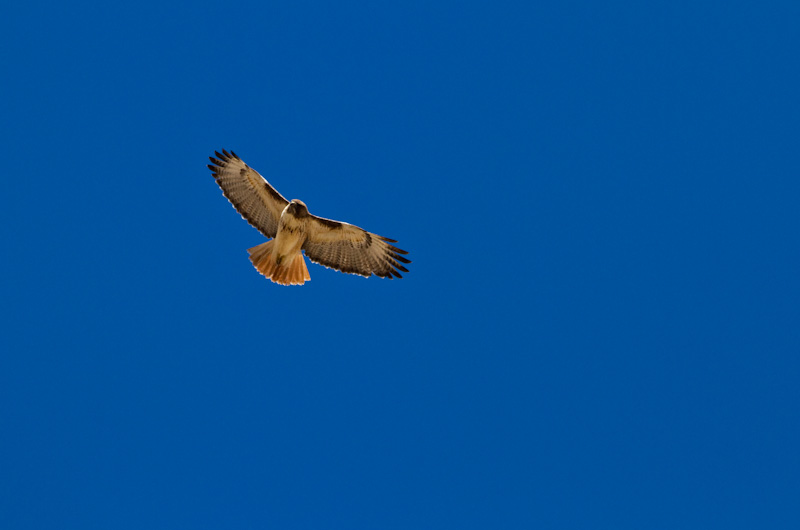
252,196
351,249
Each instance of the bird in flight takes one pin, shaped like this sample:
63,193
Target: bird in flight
293,229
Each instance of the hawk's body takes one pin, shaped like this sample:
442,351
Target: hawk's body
330,243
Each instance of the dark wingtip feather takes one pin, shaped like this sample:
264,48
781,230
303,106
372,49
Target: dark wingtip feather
401,259
387,239
398,250
235,155
226,153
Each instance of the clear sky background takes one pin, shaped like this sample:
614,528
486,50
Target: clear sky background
600,324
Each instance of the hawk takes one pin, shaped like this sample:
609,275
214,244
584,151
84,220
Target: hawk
293,229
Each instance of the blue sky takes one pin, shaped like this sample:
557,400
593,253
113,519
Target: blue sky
599,328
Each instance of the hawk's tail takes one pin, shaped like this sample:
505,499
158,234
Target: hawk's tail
292,271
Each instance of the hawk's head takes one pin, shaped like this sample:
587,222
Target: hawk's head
298,208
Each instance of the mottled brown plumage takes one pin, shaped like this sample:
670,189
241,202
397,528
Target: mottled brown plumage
334,244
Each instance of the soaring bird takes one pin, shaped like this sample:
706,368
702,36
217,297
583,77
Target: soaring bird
293,229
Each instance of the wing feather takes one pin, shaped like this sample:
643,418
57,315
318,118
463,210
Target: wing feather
351,249
259,203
